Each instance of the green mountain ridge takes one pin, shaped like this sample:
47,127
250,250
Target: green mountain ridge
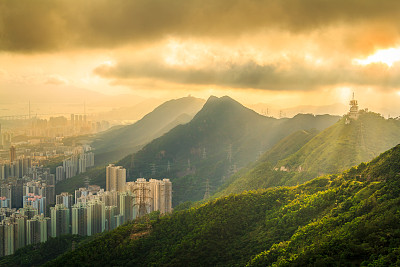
333,150
221,138
349,219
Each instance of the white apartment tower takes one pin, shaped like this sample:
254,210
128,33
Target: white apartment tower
115,178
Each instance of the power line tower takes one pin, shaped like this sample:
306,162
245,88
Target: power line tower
207,193
142,198
188,168
168,167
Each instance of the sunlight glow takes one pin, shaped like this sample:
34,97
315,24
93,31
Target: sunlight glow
386,56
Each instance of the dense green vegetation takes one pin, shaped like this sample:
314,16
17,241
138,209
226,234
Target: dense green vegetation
38,254
223,137
118,142
350,219
333,150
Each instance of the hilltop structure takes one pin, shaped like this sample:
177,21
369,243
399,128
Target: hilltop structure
353,113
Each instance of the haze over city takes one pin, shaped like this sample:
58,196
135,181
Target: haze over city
285,54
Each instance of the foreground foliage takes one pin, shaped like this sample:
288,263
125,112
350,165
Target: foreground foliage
37,254
350,219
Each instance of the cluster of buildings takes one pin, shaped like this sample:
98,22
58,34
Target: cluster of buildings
32,213
61,126
5,139
76,164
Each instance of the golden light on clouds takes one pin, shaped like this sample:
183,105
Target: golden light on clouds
386,56
292,52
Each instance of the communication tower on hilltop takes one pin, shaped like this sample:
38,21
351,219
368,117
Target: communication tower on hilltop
353,113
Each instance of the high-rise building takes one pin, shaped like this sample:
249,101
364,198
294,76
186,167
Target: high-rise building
115,178
37,202
66,199
37,229
79,219
13,154
96,217
29,212
59,220
111,220
127,206
161,195
60,173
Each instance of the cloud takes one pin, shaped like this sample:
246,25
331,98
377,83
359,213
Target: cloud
291,75
56,80
48,25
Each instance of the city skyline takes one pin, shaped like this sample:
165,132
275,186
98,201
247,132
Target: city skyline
255,53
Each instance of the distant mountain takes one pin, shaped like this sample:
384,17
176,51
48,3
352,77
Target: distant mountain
223,137
118,142
131,113
339,147
349,219
275,111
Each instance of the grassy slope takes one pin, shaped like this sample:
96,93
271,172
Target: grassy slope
260,174
347,219
333,150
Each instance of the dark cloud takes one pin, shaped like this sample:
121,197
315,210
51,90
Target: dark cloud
43,25
299,76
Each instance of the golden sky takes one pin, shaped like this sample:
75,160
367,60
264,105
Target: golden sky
282,52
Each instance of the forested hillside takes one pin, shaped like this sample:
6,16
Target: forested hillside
348,219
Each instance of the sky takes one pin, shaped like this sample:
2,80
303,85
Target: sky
284,53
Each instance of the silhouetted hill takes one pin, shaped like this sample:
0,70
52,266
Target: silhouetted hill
223,137
116,143
350,219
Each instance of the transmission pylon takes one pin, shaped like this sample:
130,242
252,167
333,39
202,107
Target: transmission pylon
168,167
142,198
